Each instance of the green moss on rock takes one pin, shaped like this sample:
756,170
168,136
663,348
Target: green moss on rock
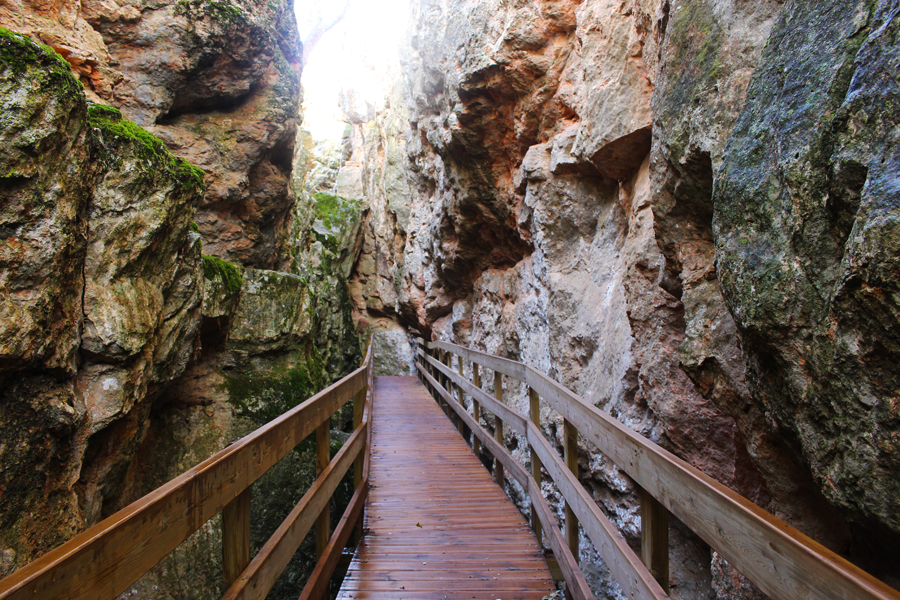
214,267
334,211
109,124
20,53
264,391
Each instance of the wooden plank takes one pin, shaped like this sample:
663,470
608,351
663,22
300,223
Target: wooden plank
103,561
514,369
498,428
268,564
318,583
359,408
510,464
323,457
437,526
655,538
570,455
626,567
461,397
476,407
236,536
534,405
783,562
574,578
576,585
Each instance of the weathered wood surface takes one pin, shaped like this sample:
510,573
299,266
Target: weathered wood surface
575,581
534,410
236,537
783,562
437,525
318,583
627,569
485,400
263,571
103,561
655,538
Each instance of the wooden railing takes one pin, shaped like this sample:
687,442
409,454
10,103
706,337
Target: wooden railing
783,562
105,560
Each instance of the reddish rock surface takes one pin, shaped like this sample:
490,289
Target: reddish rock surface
217,81
561,159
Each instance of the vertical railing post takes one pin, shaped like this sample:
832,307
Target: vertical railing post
445,358
655,538
359,405
236,537
432,353
535,412
570,448
498,429
476,408
323,457
459,393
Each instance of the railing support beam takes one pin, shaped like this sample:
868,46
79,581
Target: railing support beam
236,537
476,409
535,413
359,405
459,394
570,448
498,429
323,457
655,538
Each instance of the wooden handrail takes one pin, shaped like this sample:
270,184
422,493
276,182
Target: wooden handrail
783,562
263,571
103,561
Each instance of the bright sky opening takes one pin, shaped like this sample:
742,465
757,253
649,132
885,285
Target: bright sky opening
356,54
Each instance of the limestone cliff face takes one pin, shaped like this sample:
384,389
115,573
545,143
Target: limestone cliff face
807,248
218,82
101,294
126,356
561,160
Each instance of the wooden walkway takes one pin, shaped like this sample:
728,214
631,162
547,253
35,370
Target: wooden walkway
438,526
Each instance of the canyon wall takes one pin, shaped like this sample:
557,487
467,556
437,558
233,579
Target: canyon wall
156,309
684,212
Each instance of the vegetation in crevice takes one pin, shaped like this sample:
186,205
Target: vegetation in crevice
110,126
214,267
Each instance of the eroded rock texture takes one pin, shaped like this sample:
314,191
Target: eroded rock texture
218,82
126,355
565,164
101,286
807,206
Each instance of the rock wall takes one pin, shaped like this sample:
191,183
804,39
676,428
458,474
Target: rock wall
217,81
101,296
580,177
807,248
127,355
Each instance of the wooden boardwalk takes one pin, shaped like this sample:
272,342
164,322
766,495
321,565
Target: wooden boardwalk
438,526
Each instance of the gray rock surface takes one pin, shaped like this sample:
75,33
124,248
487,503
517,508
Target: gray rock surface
561,161
806,210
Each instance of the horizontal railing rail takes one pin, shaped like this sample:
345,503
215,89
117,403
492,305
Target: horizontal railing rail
783,562
106,559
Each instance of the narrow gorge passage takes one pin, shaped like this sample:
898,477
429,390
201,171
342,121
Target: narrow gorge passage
684,211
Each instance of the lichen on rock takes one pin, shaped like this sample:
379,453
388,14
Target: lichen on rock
102,286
